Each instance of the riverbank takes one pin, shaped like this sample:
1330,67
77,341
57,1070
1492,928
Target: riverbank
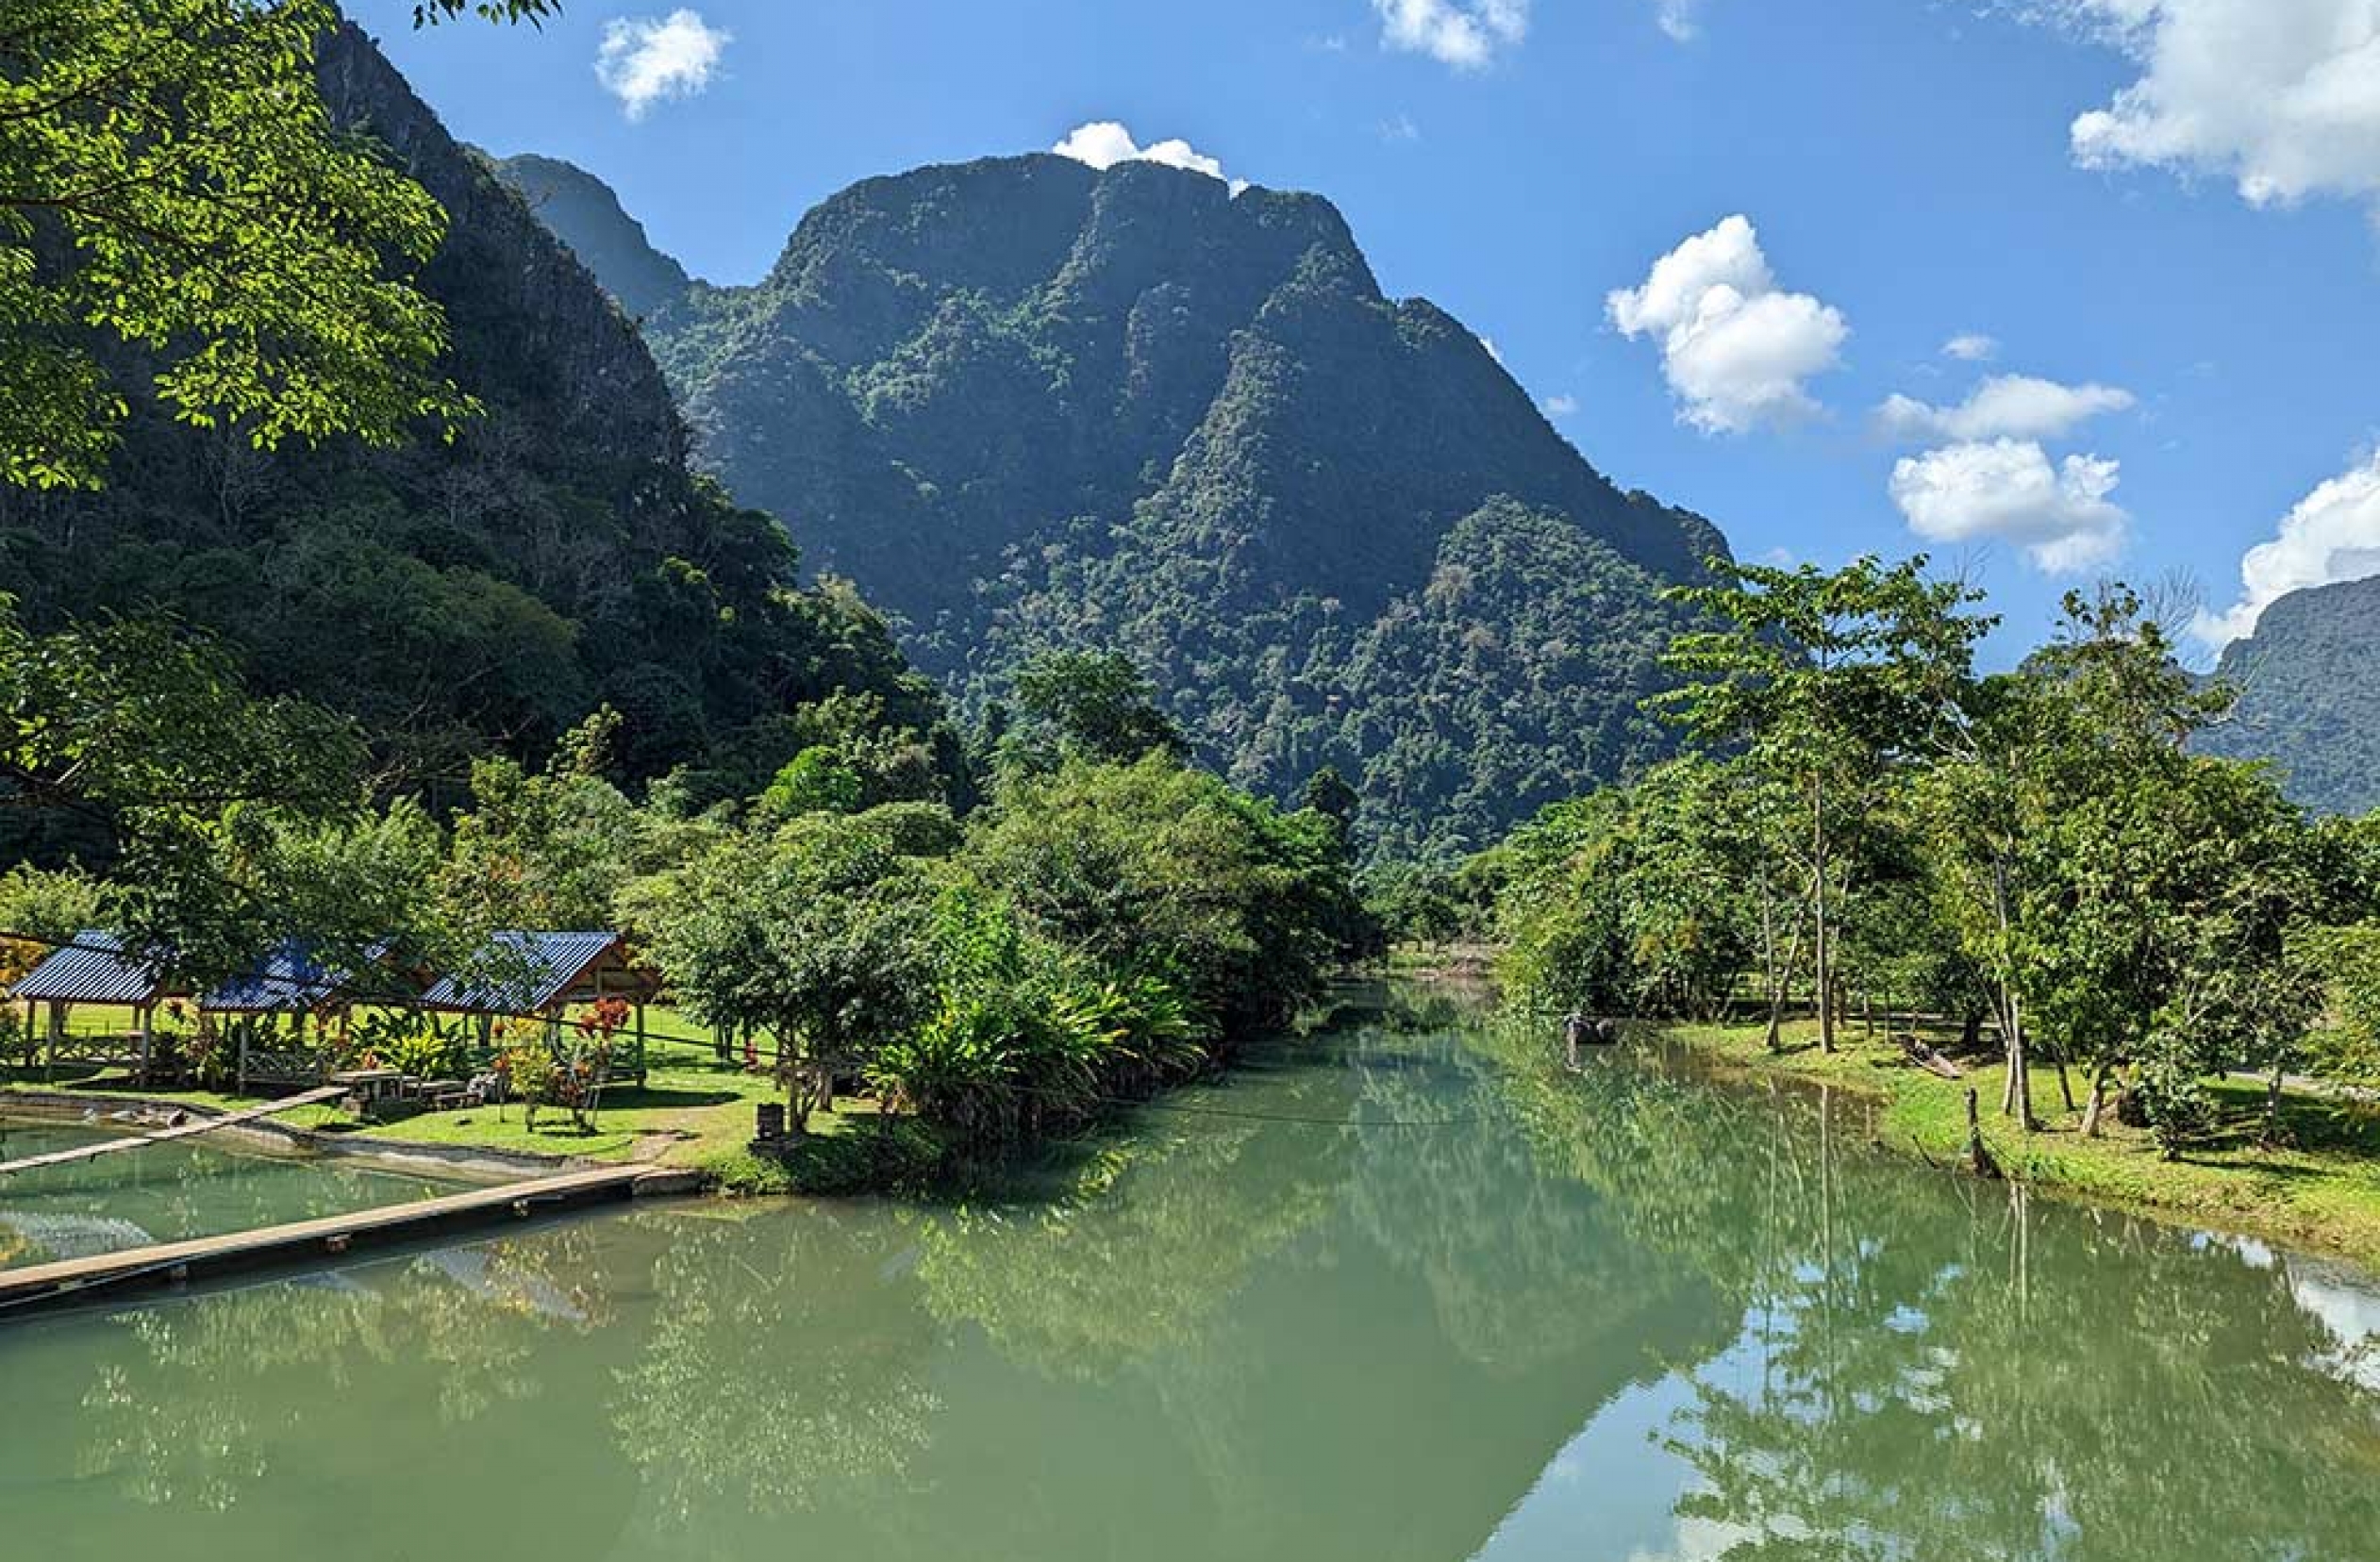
692,1114
2320,1189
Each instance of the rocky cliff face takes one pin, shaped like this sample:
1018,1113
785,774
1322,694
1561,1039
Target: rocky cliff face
488,593
520,305
2309,683
1024,404
583,212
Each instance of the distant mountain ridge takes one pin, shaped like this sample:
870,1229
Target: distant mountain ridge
2309,683
582,212
1026,404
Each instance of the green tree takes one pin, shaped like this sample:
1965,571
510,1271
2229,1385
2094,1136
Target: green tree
139,748
813,781
544,850
817,934
171,180
2156,887
1095,705
1160,870
1827,679
1328,794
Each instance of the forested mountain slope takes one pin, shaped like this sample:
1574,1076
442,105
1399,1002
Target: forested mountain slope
1024,404
2309,683
487,594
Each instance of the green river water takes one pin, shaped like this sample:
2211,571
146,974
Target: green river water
1508,1314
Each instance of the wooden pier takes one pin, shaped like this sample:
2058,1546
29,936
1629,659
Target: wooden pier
169,1264
192,1129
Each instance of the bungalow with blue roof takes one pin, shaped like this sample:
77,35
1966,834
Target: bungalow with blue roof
94,968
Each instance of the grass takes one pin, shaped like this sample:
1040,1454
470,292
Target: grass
2319,1188
693,1111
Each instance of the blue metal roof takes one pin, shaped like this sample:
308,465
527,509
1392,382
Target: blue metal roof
290,978
92,969
519,972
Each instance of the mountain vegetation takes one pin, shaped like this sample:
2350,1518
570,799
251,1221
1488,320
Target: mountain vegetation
1031,406
480,579
2309,696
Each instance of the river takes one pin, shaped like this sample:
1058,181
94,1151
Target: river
1404,1292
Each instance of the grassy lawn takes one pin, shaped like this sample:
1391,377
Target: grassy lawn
693,1110
2321,1188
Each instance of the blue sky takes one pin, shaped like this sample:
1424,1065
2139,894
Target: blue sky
2160,212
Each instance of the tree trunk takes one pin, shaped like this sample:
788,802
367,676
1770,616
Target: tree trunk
1822,948
2098,1101
2018,1099
2273,1134
1768,961
1978,1155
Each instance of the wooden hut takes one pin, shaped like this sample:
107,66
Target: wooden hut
95,969
522,974
265,1013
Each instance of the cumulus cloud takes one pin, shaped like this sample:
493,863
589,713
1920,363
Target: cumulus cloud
1104,144
1466,33
2282,97
1679,19
1560,405
1735,347
2013,407
2333,534
643,59
2007,490
1972,347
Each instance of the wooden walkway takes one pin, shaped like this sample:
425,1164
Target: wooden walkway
192,1129
26,1290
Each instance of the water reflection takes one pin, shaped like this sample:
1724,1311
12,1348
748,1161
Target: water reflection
1415,1294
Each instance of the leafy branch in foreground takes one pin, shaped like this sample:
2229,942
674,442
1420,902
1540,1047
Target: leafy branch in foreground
178,212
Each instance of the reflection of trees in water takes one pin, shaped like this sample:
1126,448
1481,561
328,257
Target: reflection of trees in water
779,1368
1524,1269
1150,1240
186,1425
1939,1370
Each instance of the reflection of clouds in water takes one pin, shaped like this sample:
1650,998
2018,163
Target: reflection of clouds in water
1597,1485
2352,1313
61,1236
1699,1541
476,1271
2346,1304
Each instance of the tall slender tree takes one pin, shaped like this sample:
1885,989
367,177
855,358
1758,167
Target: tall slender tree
1826,680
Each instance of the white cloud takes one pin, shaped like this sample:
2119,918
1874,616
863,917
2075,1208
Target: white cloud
1465,34
2011,406
1104,144
2006,491
1494,351
2280,96
2333,534
643,60
1972,347
1736,349
1400,129
1678,18
1560,405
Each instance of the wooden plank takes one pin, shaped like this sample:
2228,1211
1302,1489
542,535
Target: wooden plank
166,1136
167,1263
